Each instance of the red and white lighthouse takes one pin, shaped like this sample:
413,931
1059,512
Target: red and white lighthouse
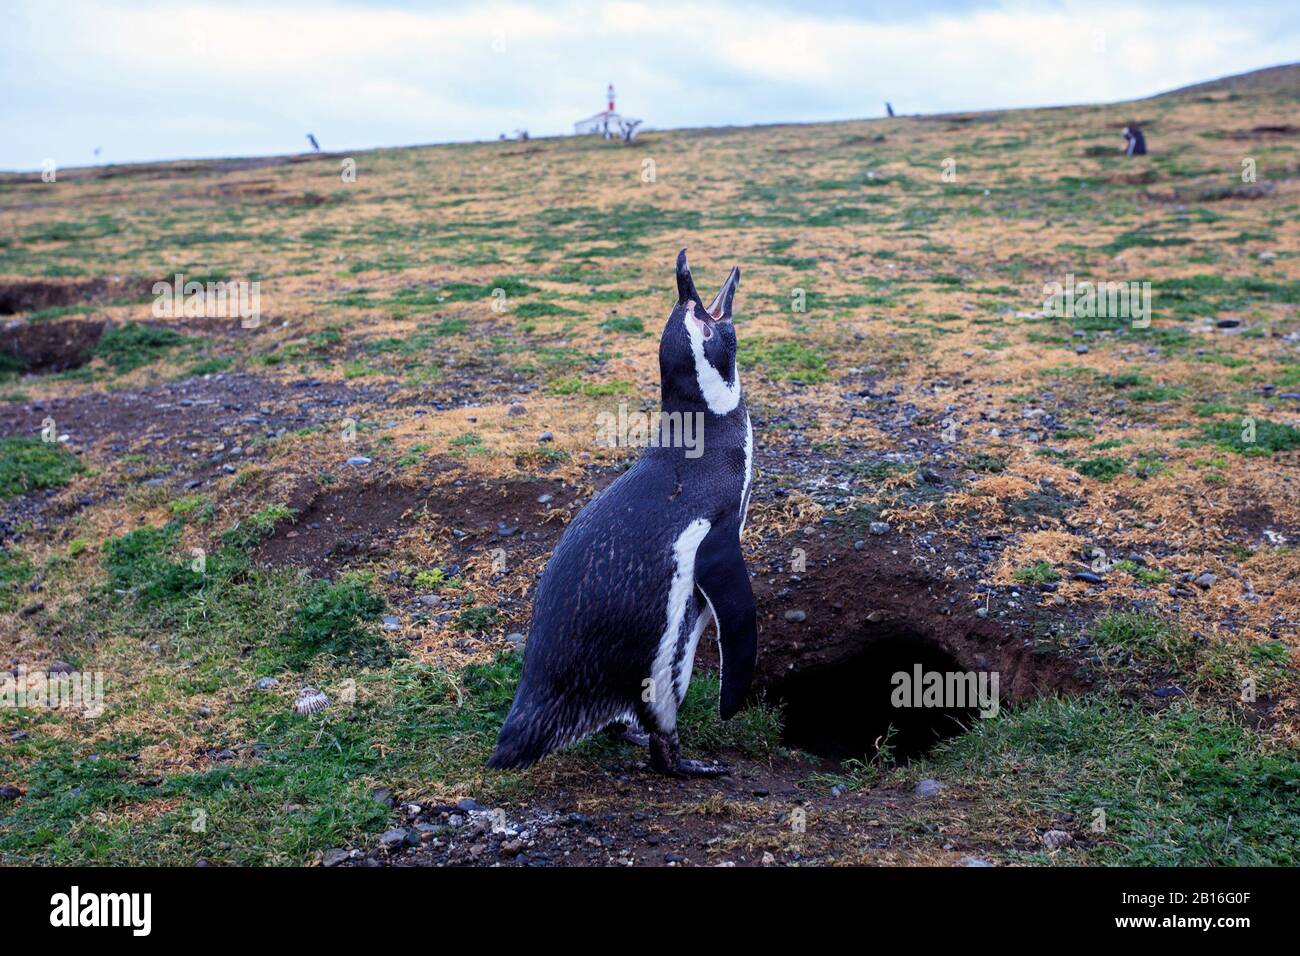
607,122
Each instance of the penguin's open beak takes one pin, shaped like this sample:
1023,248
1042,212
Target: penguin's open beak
720,309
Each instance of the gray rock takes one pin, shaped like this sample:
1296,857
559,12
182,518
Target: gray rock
879,527
391,623
973,861
546,436
795,616
334,857
1055,839
928,788
393,838
1206,581
358,460
266,683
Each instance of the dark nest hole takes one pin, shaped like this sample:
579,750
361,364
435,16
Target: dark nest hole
54,345
845,708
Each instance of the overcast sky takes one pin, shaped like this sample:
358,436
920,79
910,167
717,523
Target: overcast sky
145,81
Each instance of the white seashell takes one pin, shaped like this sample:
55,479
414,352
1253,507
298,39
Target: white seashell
310,701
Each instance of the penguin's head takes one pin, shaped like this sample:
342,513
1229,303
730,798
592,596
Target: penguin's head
697,353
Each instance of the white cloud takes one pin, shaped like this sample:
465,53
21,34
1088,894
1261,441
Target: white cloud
164,80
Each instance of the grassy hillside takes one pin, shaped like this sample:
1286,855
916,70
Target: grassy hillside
356,494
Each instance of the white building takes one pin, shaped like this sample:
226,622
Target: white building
608,123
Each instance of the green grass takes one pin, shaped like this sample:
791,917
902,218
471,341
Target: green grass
784,361
1101,467
15,571
1040,572
31,464
1178,787
1143,635
333,621
1253,436
986,463
133,345
629,324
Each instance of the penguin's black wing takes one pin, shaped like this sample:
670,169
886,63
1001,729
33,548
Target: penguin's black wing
721,576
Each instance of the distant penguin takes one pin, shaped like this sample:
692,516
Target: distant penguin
1135,144
312,139
648,564
889,108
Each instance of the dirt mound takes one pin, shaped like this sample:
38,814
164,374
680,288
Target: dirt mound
51,346
330,529
31,295
334,528
1210,191
831,639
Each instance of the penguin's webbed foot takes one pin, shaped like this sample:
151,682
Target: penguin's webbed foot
700,768
666,758
622,733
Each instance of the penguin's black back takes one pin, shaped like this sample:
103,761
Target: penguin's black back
600,608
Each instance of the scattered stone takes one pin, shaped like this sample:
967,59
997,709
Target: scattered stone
545,499
393,838
546,436
1055,839
517,409
358,460
391,623
334,857
1170,691
973,861
878,527
1089,576
309,701
1206,581
32,609
768,858
62,667
382,795
266,683
469,806
928,788
10,792
981,611
795,616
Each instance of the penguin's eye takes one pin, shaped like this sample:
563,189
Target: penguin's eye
708,332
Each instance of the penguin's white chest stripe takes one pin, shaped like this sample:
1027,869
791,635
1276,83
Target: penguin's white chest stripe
749,472
718,395
680,594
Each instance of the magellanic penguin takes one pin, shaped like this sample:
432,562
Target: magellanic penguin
648,564
1135,144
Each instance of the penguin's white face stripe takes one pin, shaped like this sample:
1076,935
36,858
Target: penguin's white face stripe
718,395
680,594
749,472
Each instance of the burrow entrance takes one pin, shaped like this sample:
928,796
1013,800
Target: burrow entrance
845,708
53,345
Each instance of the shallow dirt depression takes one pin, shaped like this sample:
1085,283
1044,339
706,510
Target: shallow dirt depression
845,708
